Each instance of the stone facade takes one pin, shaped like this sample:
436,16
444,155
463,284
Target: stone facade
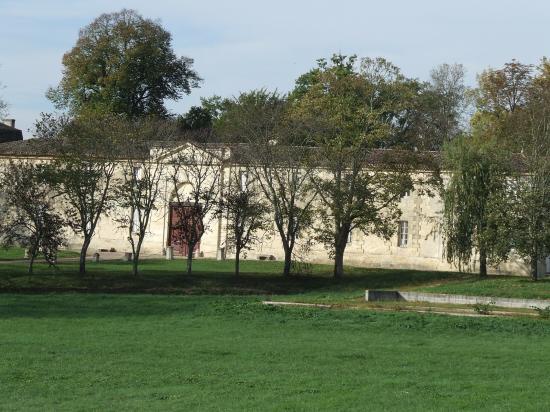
423,249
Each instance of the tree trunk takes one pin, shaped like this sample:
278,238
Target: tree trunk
135,258
190,259
31,263
534,268
482,262
288,261
237,261
83,252
339,260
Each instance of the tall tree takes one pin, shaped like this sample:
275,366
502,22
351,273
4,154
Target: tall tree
476,216
501,98
29,218
442,107
123,63
282,170
84,170
531,186
356,110
143,166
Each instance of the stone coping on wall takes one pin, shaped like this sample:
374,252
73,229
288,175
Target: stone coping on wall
396,295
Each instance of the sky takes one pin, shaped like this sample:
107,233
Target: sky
240,45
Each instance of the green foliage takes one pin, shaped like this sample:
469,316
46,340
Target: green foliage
350,110
247,213
544,313
476,215
253,117
29,218
484,308
123,63
512,108
197,118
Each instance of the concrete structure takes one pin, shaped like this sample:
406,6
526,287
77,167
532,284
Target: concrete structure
391,295
417,244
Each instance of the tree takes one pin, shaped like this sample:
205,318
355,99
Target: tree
3,106
476,218
123,63
442,107
356,110
143,170
84,173
501,98
531,185
196,118
282,171
247,214
195,176
50,125
511,107
30,219
396,100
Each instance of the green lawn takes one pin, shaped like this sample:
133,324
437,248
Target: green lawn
258,278
142,352
207,343
216,277
18,253
499,286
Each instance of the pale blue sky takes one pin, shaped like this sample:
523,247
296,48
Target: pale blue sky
239,45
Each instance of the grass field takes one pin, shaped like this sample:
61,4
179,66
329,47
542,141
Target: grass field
259,278
18,253
216,277
207,343
142,352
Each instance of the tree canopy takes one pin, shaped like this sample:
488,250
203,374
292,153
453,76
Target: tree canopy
123,63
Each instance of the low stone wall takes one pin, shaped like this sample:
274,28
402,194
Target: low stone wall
394,295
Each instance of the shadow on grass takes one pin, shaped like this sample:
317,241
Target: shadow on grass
210,277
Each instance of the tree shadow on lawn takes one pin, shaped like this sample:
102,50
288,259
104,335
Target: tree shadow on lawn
211,278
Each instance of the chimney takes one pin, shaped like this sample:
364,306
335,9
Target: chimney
9,122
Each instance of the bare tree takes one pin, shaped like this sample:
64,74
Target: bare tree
247,213
85,169
284,174
30,219
277,156
3,106
195,175
143,164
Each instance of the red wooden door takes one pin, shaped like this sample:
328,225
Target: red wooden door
184,226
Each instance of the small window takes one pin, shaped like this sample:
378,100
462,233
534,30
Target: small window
403,233
350,238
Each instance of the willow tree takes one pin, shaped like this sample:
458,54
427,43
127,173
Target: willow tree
476,195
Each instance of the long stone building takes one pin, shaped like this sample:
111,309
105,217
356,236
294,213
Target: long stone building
417,243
